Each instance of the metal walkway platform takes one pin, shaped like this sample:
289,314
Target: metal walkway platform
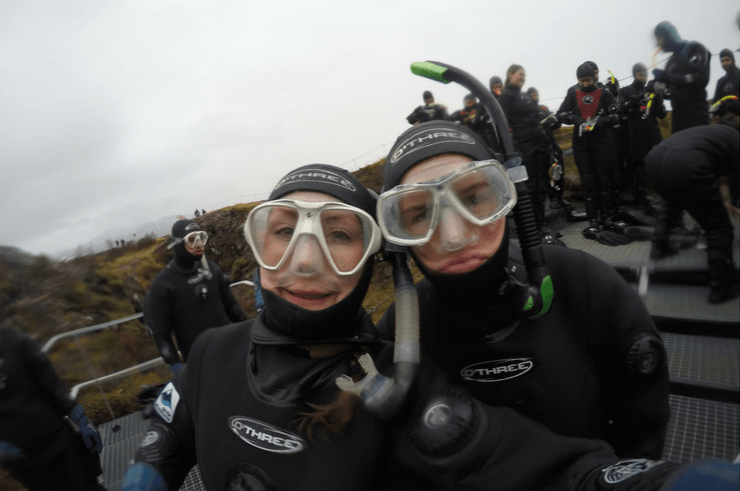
698,429
120,448
702,342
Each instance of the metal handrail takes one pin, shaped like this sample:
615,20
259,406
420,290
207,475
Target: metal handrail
97,327
115,376
122,373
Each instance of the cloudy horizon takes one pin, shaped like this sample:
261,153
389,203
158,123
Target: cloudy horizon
120,113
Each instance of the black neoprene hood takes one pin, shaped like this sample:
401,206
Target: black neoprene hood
427,140
326,179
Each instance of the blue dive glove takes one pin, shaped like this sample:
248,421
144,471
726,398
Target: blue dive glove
9,453
143,477
90,434
657,73
175,367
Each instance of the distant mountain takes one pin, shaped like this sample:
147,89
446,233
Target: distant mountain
107,240
13,256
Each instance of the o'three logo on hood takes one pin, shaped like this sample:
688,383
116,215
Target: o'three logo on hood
317,175
265,437
428,138
498,370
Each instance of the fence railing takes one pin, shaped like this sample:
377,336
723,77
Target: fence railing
153,363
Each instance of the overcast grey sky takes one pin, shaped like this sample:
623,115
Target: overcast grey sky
115,113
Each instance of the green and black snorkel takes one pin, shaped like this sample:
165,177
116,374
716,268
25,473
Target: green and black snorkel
533,300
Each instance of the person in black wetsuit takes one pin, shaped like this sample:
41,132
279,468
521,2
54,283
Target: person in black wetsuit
556,166
728,87
466,115
188,296
523,117
592,111
496,85
685,169
257,406
428,112
37,445
641,108
593,367
685,77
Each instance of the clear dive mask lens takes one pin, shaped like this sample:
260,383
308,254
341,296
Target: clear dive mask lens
193,239
481,192
303,234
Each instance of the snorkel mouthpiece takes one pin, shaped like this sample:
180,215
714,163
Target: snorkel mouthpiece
382,396
533,300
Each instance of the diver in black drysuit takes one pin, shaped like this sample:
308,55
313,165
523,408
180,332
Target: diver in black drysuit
686,76
37,445
523,118
728,87
185,299
593,367
428,112
549,123
684,170
591,148
641,108
233,409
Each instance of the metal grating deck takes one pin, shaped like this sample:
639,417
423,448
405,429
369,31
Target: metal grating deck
689,303
704,359
636,254
700,429
120,448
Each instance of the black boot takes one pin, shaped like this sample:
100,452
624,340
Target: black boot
593,229
661,246
721,272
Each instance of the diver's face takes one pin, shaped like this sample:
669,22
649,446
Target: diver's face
586,82
457,246
429,101
469,103
641,77
307,279
535,97
726,62
518,78
660,41
195,250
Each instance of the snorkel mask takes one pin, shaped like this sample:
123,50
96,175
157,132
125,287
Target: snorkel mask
479,192
305,238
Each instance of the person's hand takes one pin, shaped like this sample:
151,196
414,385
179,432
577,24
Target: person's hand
90,434
732,209
10,454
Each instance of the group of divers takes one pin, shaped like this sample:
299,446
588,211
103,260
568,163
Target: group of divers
614,130
512,365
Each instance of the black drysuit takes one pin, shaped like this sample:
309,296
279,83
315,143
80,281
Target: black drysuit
570,370
185,302
591,149
232,409
728,85
522,116
641,111
431,112
686,76
684,169
33,405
